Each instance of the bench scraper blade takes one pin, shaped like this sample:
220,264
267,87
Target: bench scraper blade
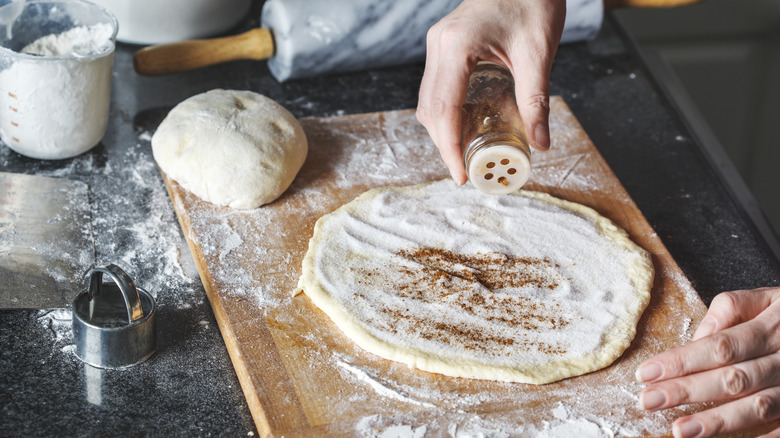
46,242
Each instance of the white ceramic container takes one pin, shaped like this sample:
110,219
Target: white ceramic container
167,21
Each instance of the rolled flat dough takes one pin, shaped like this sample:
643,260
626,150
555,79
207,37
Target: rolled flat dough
522,287
229,147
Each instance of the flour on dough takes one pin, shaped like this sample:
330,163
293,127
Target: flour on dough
522,287
229,147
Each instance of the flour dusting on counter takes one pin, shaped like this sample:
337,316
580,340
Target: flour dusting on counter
58,321
145,239
367,427
373,381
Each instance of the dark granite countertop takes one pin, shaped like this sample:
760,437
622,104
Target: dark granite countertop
189,387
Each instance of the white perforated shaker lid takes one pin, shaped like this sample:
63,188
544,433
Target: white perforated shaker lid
499,169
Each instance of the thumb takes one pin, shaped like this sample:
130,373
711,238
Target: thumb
532,91
531,57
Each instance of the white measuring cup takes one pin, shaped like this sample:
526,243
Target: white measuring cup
54,104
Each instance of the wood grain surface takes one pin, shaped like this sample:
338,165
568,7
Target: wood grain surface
302,377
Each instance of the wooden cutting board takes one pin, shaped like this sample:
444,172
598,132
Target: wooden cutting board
302,377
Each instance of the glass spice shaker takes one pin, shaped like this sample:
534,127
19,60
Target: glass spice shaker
495,146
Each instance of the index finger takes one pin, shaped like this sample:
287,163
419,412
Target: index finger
731,308
448,66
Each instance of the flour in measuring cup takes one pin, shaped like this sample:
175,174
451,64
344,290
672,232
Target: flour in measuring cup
54,108
79,41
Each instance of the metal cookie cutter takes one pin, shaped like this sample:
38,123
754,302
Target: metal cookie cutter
114,324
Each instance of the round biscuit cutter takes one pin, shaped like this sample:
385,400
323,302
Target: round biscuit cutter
114,324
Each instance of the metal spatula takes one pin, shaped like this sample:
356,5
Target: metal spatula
46,243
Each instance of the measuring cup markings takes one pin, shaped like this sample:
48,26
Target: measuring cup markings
13,108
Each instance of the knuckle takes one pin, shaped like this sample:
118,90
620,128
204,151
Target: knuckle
433,34
679,394
441,107
675,366
540,102
715,424
445,33
449,31
766,407
728,301
770,329
735,381
435,108
438,106
724,352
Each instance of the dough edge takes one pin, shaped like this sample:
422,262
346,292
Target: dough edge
615,341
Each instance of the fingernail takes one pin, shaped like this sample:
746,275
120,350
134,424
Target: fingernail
649,372
706,327
652,400
455,179
542,136
689,429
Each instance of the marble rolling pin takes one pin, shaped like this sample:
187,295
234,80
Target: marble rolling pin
305,38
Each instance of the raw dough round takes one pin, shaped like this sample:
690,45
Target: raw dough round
229,147
522,287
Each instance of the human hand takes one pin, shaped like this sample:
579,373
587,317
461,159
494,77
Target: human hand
735,355
523,35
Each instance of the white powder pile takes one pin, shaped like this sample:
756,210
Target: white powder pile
53,108
78,41
146,240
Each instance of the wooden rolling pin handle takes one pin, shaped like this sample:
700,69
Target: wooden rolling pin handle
257,44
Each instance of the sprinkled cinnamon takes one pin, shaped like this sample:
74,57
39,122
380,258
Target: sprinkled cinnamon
479,284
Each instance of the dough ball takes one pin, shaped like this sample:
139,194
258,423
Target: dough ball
228,147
